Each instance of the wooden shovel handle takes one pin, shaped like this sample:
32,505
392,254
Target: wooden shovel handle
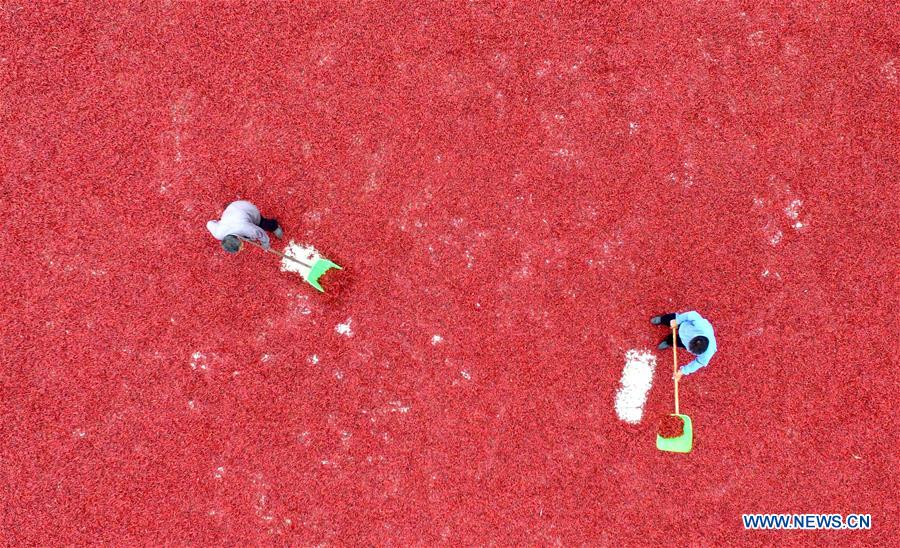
280,254
675,362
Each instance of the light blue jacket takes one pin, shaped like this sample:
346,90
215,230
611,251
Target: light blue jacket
690,325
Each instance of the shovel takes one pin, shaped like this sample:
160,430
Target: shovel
316,269
684,442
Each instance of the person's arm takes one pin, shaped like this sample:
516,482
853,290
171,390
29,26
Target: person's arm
263,238
691,367
700,361
686,317
253,232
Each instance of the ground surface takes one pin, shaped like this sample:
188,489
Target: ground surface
514,190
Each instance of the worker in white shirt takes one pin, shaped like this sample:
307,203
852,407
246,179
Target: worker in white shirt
241,219
697,331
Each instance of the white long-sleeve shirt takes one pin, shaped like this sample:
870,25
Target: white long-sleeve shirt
240,218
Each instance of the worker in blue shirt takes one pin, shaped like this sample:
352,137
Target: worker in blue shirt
697,331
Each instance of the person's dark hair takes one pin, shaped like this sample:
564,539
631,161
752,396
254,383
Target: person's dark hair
231,243
698,345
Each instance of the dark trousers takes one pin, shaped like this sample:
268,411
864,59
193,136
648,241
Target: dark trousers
666,318
269,225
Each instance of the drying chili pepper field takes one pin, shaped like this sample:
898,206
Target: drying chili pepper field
512,190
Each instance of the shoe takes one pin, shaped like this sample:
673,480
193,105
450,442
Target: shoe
278,233
663,345
656,320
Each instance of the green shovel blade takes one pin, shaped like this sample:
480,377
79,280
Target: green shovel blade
681,444
318,268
